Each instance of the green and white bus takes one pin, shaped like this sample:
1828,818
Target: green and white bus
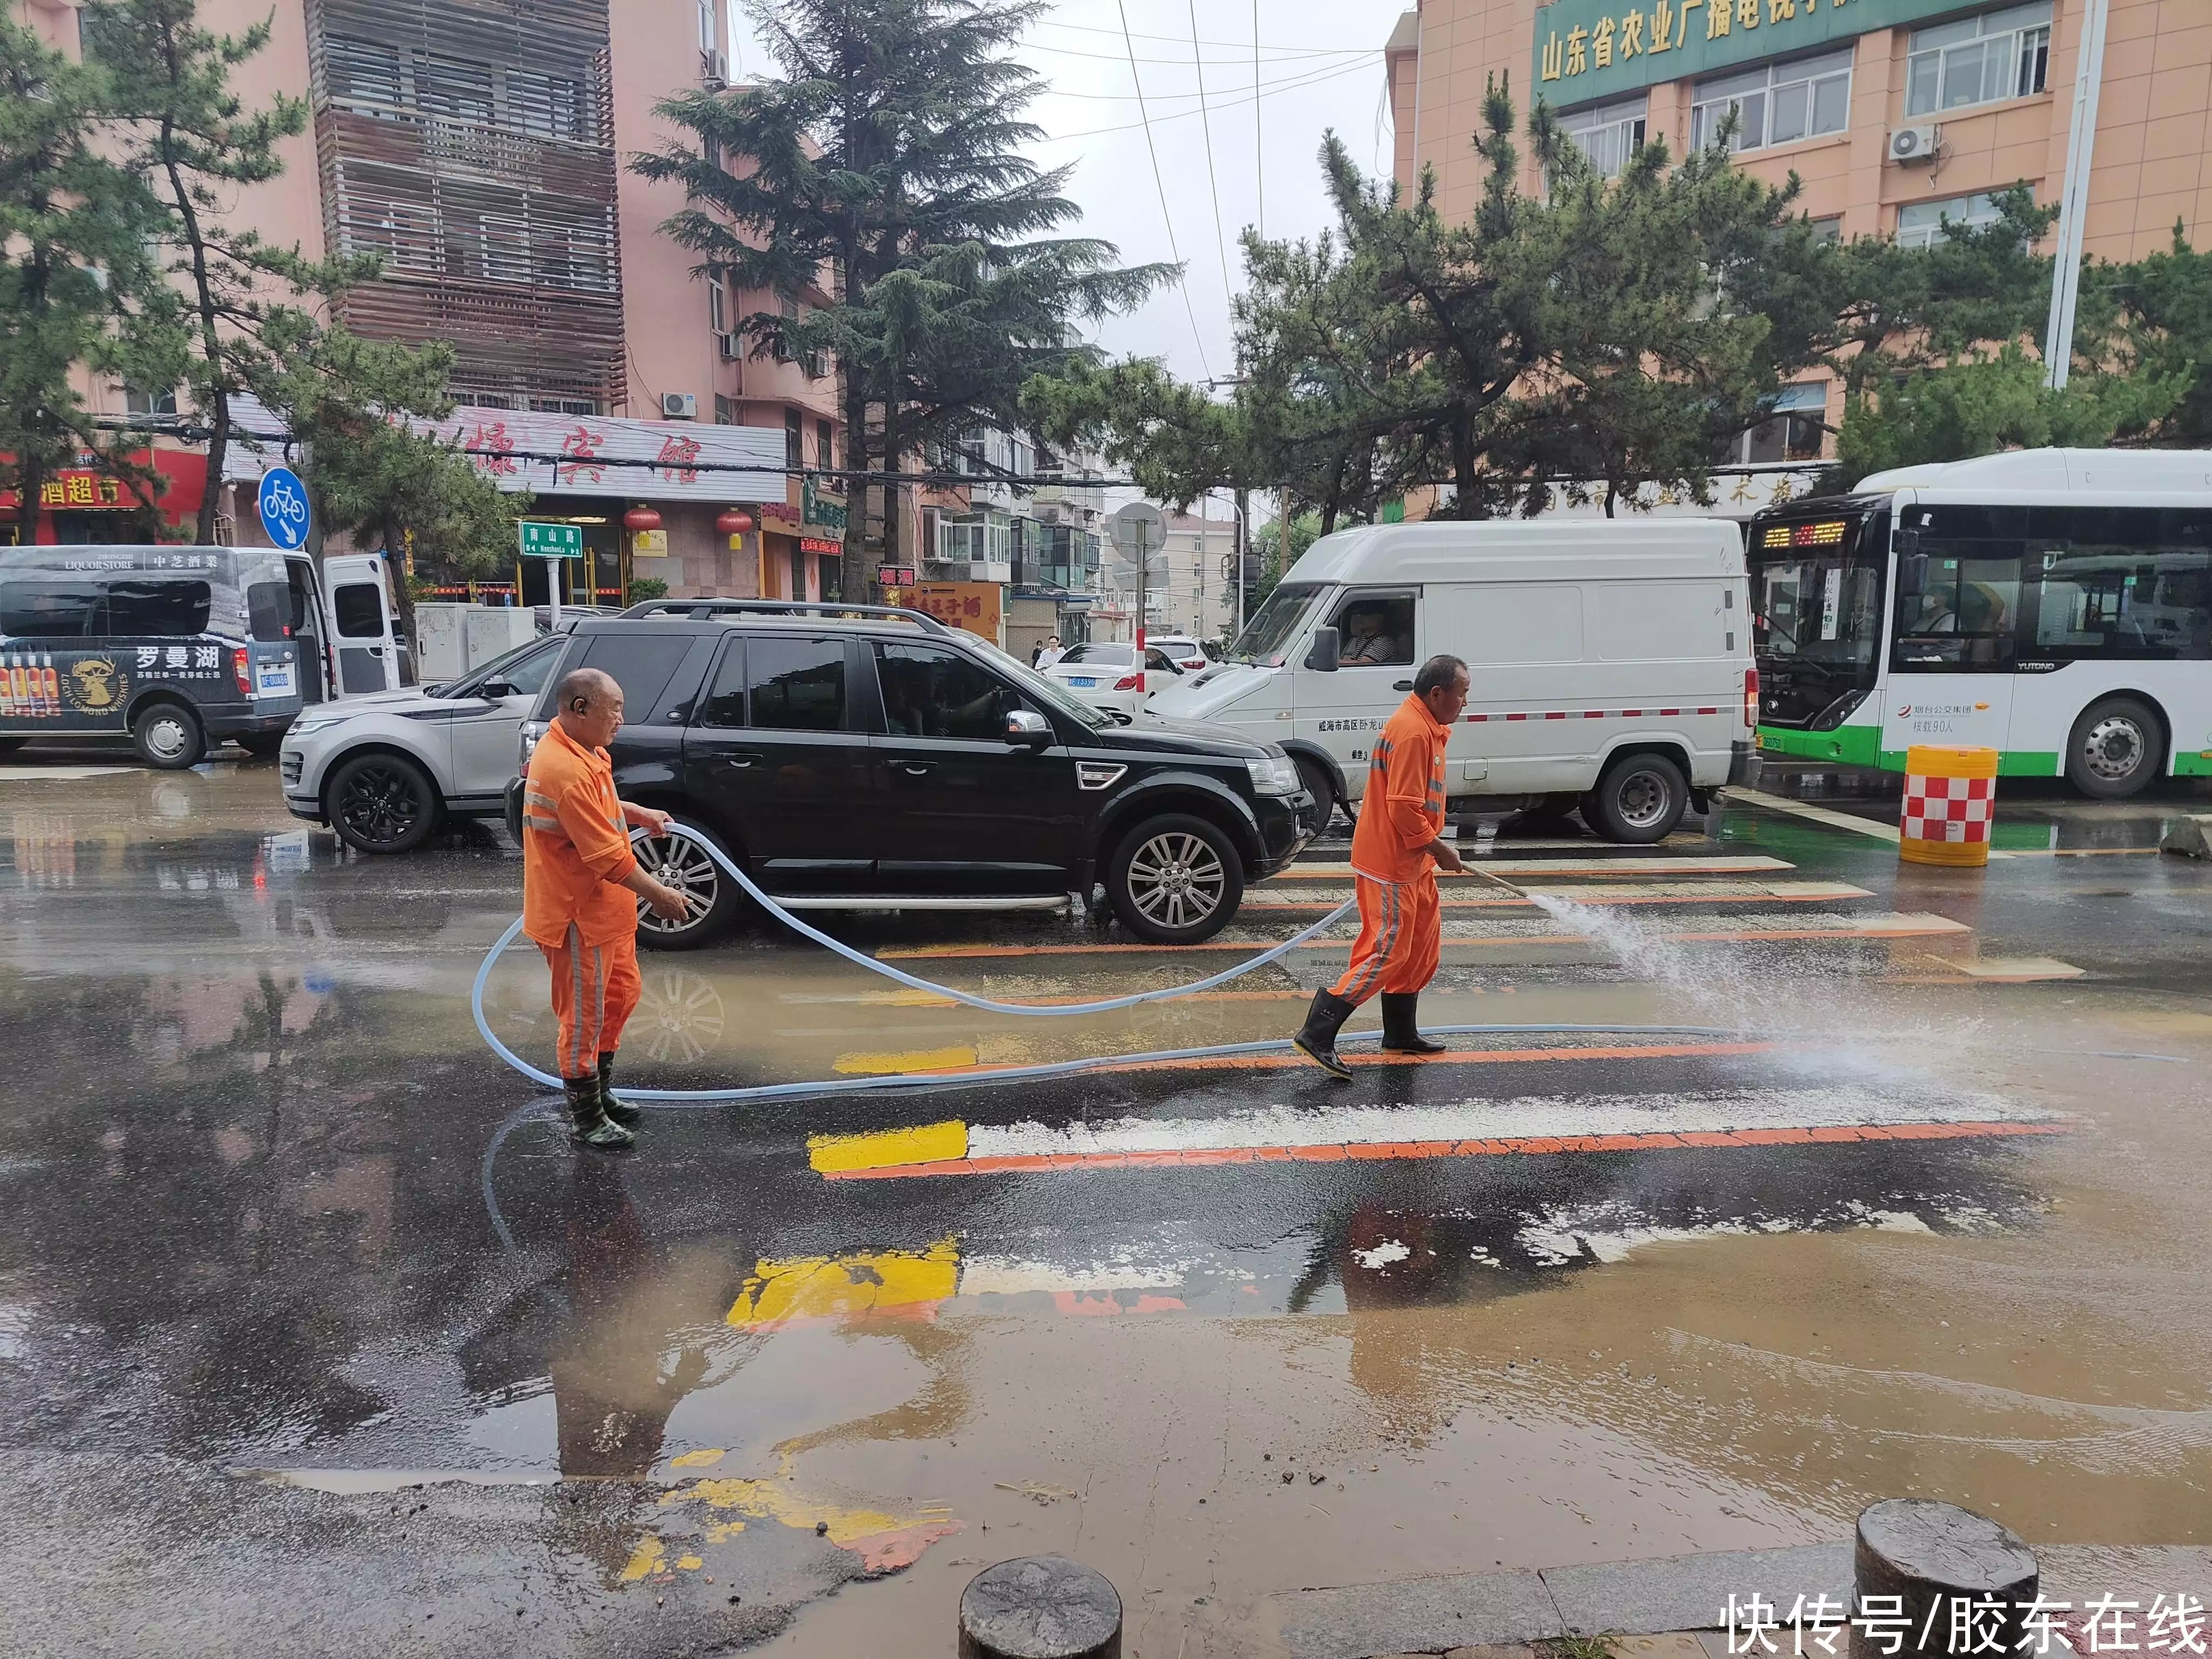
2054,604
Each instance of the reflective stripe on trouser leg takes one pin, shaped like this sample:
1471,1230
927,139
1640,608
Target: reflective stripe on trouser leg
1382,916
621,988
1413,965
581,974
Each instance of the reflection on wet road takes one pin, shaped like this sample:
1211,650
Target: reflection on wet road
1924,1214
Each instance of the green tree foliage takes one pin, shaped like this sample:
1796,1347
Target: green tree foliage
78,289
370,474
884,200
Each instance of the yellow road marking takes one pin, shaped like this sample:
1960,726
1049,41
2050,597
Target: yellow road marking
912,1060
926,1143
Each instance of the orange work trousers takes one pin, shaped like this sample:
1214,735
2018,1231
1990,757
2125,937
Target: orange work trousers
1401,938
595,990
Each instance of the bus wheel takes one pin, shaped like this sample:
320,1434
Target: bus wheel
2116,748
1638,801
168,736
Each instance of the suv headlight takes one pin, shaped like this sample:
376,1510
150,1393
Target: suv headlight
307,726
1277,774
531,731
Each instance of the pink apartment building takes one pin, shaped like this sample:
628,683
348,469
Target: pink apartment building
479,147
1895,113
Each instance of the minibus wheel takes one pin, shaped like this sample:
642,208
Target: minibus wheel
168,736
1638,801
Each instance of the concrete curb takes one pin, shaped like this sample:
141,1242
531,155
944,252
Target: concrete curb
1650,1597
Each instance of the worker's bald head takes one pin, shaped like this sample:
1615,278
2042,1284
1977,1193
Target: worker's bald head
590,707
586,687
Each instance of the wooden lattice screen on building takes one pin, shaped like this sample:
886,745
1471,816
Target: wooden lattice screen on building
470,144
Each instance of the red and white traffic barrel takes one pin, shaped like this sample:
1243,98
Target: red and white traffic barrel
1950,801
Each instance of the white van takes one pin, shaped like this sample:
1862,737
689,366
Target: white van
1610,662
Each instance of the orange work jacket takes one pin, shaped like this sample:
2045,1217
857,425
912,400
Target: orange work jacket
575,846
1403,809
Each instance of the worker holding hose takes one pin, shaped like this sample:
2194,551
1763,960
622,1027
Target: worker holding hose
580,885
1397,847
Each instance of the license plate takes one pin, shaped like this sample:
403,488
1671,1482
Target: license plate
274,679
1075,680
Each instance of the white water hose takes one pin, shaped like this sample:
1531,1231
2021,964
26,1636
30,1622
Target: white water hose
682,1097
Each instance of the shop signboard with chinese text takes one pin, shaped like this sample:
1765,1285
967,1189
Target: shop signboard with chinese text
972,605
1586,50
896,575
547,453
817,507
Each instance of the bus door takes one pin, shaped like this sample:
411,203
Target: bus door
367,649
1954,626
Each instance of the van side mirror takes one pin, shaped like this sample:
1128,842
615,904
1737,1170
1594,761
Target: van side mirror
1028,729
1321,654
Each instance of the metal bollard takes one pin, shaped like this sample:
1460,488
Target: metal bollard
1935,1559
1039,1607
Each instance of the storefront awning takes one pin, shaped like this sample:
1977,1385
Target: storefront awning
549,454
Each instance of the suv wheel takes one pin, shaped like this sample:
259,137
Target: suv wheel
1638,801
169,735
2117,747
1174,880
382,804
1316,778
684,865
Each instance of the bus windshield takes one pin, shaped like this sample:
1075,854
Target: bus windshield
1816,599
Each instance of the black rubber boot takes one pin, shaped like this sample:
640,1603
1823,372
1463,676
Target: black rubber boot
618,1109
1401,1030
588,1120
1316,1038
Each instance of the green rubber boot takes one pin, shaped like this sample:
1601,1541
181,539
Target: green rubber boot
618,1109
588,1125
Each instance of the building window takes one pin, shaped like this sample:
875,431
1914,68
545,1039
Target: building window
1920,224
450,87
1794,433
1779,103
1978,60
825,442
717,307
794,441
1606,134
1829,230
362,72
150,405
725,412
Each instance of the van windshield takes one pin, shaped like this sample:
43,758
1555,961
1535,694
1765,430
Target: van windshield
1280,620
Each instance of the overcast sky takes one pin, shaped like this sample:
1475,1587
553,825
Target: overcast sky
1320,66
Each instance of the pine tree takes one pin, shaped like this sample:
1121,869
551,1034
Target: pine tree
881,182
189,135
77,289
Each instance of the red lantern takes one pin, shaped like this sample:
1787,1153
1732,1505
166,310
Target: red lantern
641,518
734,522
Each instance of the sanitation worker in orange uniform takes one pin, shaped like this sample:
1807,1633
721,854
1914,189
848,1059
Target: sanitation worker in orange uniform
580,885
1397,848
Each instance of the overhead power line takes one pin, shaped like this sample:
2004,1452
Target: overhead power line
1339,53
1213,182
1159,184
1234,45
1259,144
1230,103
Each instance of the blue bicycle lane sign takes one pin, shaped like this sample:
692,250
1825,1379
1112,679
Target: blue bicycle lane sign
285,507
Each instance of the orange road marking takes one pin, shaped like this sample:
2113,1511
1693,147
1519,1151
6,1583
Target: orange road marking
943,952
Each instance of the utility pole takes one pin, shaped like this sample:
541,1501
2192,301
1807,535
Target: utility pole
2073,200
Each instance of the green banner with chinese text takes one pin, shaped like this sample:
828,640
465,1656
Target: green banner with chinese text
1587,49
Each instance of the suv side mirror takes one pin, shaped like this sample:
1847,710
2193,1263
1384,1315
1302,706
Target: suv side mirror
1321,654
498,689
1028,729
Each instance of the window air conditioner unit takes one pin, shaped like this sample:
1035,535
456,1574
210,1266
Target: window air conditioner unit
728,345
680,406
713,71
1920,143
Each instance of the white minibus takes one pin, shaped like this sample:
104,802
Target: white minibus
1610,662
2053,605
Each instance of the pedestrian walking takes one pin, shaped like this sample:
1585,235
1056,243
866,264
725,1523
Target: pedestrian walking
1050,653
1397,847
580,885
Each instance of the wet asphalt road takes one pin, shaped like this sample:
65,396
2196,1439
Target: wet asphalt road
315,1336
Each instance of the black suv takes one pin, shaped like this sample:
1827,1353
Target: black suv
856,757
